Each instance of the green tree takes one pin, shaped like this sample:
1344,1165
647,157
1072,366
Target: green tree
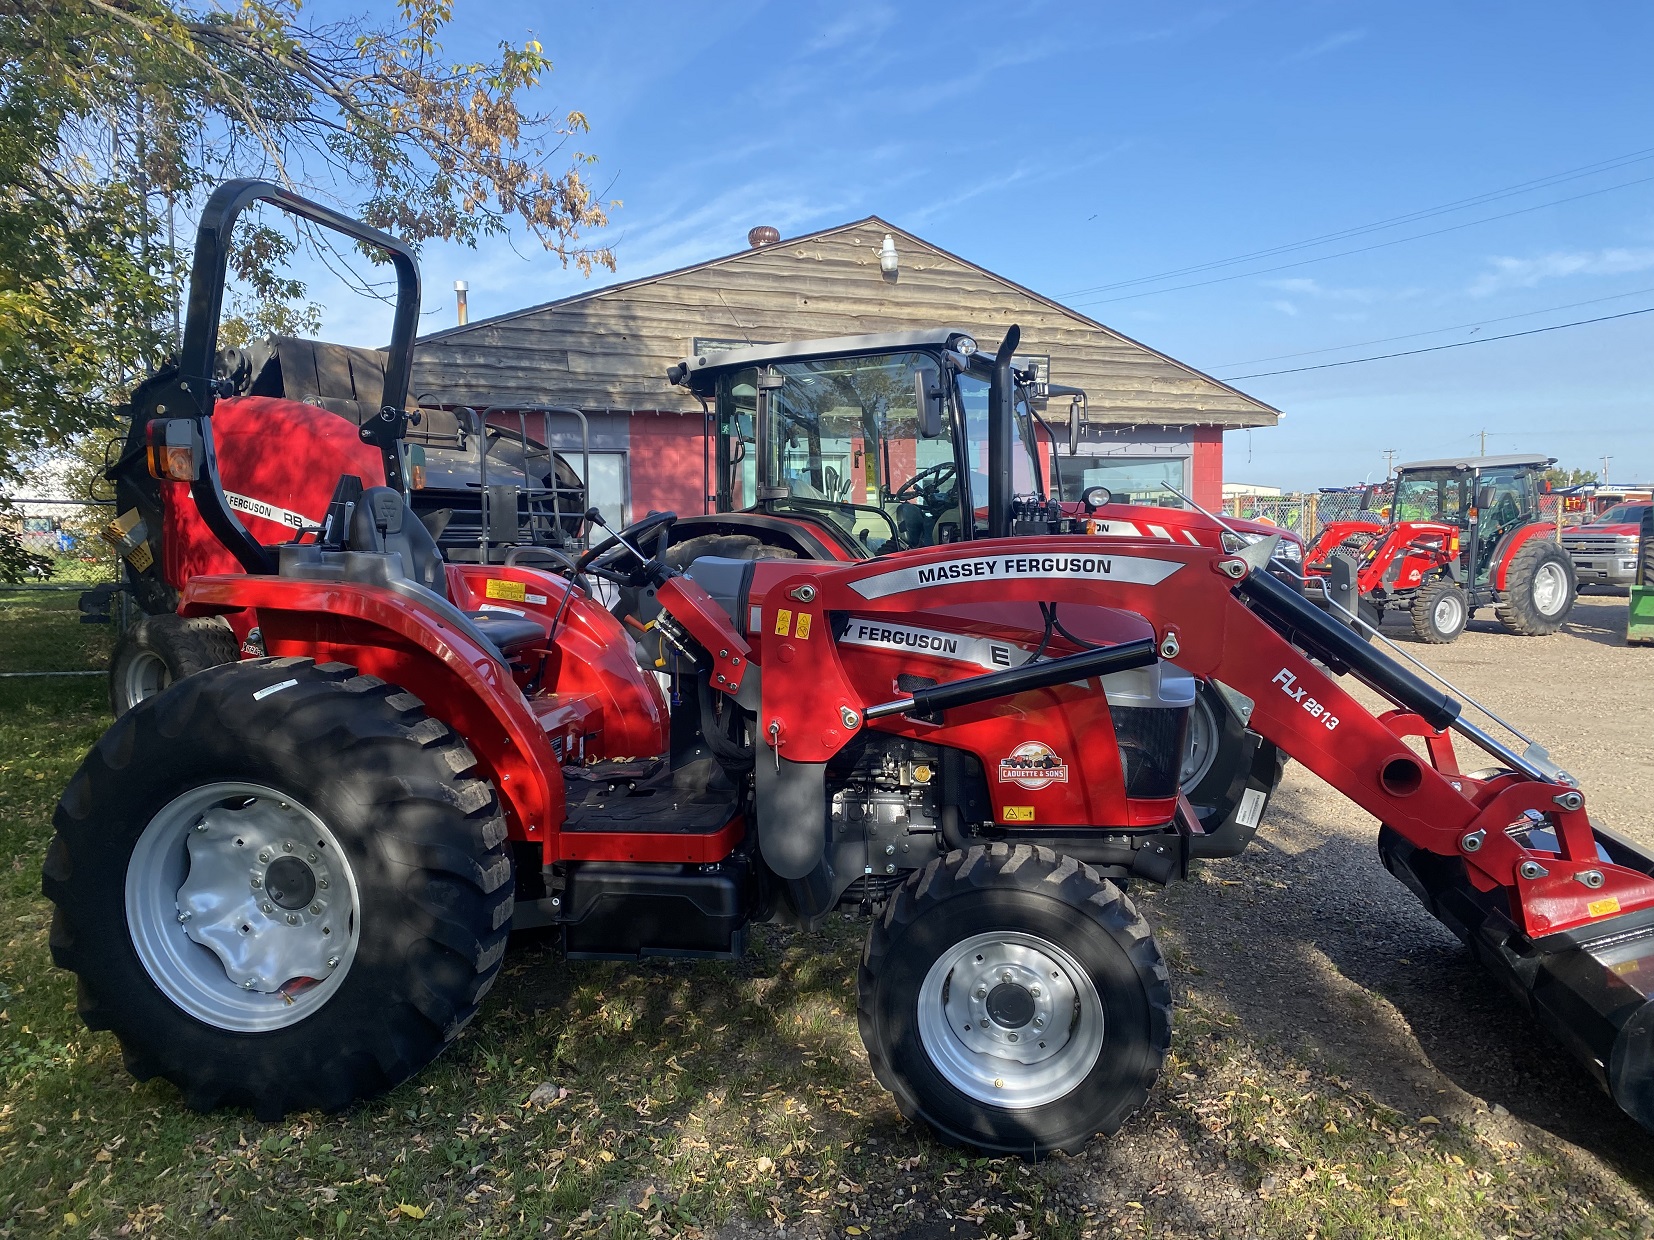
1559,478
118,116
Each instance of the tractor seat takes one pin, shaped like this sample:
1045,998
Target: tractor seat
383,522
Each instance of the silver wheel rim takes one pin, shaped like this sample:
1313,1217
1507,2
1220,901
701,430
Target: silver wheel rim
1202,748
223,916
1448,612
1002,1048
146,675
1550,589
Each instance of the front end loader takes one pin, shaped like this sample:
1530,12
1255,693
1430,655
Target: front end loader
287,883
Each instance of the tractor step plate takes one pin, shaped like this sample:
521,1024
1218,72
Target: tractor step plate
650,812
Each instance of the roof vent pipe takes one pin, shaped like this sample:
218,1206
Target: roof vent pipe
460,289
761,236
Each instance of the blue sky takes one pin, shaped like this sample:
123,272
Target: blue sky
1074,147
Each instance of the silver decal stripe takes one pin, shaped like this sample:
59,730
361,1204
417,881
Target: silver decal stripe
270,512
955,647
987,569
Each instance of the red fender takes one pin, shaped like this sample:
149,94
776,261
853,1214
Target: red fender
400,639
1514,543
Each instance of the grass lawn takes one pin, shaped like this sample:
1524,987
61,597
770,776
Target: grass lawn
671,1098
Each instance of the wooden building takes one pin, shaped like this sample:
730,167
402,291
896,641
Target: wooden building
607,351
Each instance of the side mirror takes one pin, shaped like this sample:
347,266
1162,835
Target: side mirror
1076,413
1484,497
1095,497
927,395
1366,499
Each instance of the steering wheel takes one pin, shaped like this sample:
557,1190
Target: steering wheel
613,560
927,484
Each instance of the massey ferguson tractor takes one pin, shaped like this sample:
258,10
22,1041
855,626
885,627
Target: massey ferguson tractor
287,882
1462,534
819,455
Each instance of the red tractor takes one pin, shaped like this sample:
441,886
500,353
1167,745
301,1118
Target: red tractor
288,882
1461,534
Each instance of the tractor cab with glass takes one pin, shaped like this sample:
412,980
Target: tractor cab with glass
871,444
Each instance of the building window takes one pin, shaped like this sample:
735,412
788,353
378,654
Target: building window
609,490
1131,479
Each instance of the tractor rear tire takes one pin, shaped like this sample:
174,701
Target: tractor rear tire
1439,612
266,783
983,958
1540,588
158,650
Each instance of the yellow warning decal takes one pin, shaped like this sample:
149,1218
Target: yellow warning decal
514,590
803,629
1019,813
783,622
141,557
1602,907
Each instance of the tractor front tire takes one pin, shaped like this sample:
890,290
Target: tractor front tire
1014,1001
279,886
158,650
1439,612
1540,588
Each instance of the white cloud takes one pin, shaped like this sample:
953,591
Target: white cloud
1509,273
1332,43
1285,307
1301,286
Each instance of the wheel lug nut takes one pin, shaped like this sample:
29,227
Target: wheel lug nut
1034,990
184,916
1010,1037
322,883
292,919
333,962
315,908
1039,1022
1005,976
287,847
981,992
311,856
257,882
264,854
268,907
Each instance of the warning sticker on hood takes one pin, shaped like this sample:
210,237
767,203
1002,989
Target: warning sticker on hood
987,569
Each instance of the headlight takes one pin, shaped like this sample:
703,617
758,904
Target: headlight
964,345
1290,550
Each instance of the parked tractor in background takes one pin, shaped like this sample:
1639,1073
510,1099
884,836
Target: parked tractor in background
1461,535
287,883
858,446
290,416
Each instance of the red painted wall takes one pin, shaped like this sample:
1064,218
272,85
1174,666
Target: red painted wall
667,458
1207,467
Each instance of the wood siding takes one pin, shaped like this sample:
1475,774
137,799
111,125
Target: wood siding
611,348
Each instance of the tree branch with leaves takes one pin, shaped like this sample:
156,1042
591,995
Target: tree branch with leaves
117,117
